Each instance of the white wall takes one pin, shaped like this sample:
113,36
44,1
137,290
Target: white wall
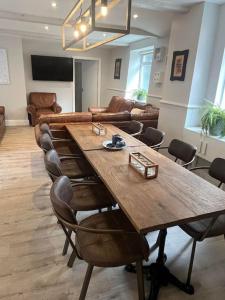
13,96
173,107
64,90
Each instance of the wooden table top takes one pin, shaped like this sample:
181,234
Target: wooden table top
88,140
175,197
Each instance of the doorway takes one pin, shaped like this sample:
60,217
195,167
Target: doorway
86,84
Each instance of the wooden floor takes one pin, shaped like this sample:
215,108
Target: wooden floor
31,265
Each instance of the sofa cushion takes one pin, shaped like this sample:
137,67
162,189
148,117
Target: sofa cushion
137,111
43,111
66,118
150,115
107,117
119,104
42,100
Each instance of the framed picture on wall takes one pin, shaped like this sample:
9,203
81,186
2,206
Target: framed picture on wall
179,65
117,70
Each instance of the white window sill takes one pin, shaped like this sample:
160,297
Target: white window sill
199,130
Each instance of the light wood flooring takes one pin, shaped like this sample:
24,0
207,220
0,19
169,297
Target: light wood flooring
31,264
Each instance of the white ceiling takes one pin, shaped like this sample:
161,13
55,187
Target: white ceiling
28,18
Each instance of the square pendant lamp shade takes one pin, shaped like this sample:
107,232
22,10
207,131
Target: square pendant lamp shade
92,23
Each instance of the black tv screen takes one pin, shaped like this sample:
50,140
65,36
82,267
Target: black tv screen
52,68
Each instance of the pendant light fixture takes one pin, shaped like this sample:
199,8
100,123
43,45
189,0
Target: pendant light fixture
92,23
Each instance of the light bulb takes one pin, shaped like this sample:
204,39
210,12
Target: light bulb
104,11
76,33
83,27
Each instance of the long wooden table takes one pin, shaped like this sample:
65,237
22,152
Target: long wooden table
88,140
175,197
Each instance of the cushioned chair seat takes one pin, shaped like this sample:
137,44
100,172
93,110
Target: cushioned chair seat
110,250
91,197
44,111
196,229
75,168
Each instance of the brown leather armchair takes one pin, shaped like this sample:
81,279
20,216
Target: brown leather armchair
42,104
2,121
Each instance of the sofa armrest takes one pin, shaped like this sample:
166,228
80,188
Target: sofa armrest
57,108
2,110
31,109
96,110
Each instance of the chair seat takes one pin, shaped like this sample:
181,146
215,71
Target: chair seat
76,168
197,229
110,250
91,197
44,111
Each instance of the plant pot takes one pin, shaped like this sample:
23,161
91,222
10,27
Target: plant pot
217,129
141,98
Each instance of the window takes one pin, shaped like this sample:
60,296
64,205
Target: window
220,93
145,70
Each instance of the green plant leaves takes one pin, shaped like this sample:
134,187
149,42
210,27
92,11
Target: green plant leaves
213,115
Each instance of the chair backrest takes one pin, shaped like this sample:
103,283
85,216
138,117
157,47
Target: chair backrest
135,127
42,100
46,142
217,169
119,104
181,150
153,137
53,164
44,128
61,194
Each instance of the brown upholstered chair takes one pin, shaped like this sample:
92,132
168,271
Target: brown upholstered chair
88,195
134,128
104,240
74,167
2,121
62,147
182,151
210,227
41,104
152,137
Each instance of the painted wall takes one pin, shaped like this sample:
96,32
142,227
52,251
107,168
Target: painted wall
123,86
64,90
175,97
13,96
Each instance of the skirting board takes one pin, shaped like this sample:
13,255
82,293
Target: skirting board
17,122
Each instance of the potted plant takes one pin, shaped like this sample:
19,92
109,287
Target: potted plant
141,94
213,120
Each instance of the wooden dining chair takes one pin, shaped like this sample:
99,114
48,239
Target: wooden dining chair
209,227
152,137
134,128
103,240
182,151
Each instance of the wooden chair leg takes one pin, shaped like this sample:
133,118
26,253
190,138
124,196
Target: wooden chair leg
86,282
72,259
66,245
140,280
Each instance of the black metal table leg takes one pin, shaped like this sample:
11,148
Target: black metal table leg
160,274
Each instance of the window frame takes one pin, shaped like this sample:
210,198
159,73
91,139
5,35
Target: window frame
142,64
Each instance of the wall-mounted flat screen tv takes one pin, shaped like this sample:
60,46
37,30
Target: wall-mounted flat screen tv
51,68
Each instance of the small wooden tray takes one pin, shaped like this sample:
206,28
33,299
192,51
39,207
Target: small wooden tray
143,165
99,129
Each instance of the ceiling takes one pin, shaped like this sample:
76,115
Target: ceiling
29,18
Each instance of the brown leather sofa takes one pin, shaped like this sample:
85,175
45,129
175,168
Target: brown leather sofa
126,111
2,121
41,104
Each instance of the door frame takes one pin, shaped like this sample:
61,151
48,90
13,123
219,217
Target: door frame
98,78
